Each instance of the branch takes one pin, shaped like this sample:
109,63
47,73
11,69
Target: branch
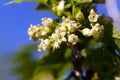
77,62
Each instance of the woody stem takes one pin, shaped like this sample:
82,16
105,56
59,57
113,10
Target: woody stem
77,62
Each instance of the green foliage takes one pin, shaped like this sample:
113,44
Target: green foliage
116,37
25,65
103,61
42,7
17,1
53,65
99,1
83,1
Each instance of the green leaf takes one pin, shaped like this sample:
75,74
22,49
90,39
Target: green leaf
116,36
23,59
116,33
83,53
102,60
42,7
42,1
99,1
19,1
13,1
68,5
83,1
53,65
117,41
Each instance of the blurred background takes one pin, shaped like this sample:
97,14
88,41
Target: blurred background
14,22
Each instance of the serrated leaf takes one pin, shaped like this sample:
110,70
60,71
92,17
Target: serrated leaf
83,1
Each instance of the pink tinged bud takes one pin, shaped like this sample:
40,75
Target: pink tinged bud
60,8
61,5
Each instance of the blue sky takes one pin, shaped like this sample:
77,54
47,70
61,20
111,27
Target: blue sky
14,22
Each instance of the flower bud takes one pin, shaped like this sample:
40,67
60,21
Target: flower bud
86,32
32,32
63,28
71,29
46,21
54,8
80,16
60,7
44,45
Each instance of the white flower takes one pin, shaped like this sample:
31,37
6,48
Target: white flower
63,28
73,39
55,45
35,32
61,5
70,23
58,37
46,21
97,27
62,36
31,30
44,31
54,37
80,16
38,31
71,29
72,26
93,17
44,45
86,32
65,20
97,31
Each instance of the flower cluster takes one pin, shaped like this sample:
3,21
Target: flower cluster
52,37
96,29
36,31
64,32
